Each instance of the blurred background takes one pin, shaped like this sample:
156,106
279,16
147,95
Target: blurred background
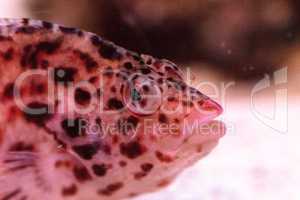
243,53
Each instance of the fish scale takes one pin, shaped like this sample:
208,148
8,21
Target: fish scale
91,120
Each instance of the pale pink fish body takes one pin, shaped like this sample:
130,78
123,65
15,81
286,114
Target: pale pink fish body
104,127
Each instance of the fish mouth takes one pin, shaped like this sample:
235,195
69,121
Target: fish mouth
202,122
194,134
199,127
207,110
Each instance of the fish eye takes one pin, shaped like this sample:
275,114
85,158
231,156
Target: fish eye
142,95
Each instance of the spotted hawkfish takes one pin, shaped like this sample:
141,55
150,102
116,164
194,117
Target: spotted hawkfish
84,119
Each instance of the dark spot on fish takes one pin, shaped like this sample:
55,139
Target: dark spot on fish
110,189
45,64
199,148
96,41
146,88
187,103
47,25
99,170
26,30
21,146
143,103
81,174
139,175
168,68
171,99
62,163
176,68
132,121
123,75
109,51
9,90
5,38
182,86
87,151
115,104
136,56
128,65
108,72
115,139
147,167
162,118
82,97
74,128
28,56
145,70
49,47
122,89
160,81
132,194
37,113
122,126
88,60
157,64
98,121
113,89
163,183
99,92
106,149
132,150
80,33
149,62
69,191
68,30
30,52
123,163
176,120
136,76
171,79
64,74
37,88
8,55
163,157
93,79
25,21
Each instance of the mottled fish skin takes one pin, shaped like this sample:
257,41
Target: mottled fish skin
45,157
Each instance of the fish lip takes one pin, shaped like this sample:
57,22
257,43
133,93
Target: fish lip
211,110
219,109
208,111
